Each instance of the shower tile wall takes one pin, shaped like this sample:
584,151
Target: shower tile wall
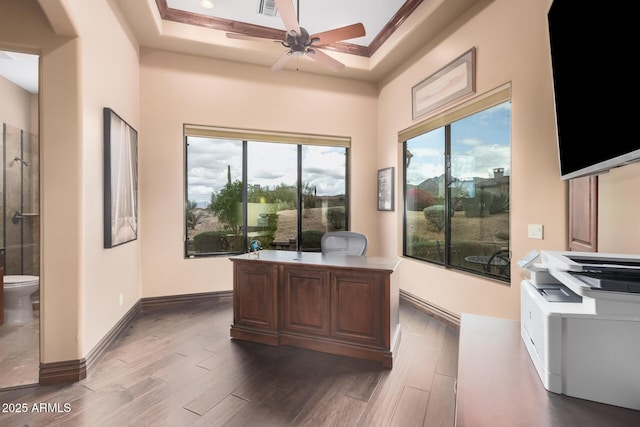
21,202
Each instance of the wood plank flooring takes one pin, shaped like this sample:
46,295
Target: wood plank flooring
178,367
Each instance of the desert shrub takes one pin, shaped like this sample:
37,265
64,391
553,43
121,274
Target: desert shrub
424,248
478,206
435,216
270,230
485,203
417,199
499,203
211,241
224,205
336,217
310,239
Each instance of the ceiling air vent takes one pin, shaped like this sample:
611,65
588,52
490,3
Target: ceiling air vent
267,8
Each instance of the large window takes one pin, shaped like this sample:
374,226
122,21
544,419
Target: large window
281,189
457,170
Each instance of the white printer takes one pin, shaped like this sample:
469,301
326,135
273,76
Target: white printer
580,322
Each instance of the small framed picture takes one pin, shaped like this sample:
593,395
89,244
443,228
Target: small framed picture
385,189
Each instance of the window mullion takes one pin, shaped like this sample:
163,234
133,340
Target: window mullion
299,199
447,194
245,191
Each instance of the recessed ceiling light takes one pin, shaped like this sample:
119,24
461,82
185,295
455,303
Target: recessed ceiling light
207,4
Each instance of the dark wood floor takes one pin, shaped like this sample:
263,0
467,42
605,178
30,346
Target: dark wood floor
178,367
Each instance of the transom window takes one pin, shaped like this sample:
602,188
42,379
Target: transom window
283,190
457,169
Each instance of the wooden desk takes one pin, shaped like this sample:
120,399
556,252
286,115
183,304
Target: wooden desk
498,385
339,304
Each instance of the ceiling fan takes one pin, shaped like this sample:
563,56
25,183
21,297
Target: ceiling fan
298,41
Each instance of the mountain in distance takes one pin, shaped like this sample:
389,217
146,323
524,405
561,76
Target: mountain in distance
430,185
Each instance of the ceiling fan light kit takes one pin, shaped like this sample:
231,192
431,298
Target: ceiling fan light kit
298,41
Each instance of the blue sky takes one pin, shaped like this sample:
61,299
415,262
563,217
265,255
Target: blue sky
480,143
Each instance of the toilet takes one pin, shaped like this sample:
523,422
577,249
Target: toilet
17,298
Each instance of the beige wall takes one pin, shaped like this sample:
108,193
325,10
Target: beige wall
178,89
15,108
109,77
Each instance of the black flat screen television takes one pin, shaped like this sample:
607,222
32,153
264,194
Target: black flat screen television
594,85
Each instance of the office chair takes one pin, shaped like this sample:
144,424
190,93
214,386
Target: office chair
344,242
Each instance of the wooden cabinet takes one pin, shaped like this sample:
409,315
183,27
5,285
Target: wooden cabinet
306,301
583,214
255,308
358,309
336,304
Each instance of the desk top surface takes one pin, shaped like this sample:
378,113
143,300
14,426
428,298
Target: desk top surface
498,384
320,259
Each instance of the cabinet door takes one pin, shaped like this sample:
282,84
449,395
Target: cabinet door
357,307
305,301
583,214
255,295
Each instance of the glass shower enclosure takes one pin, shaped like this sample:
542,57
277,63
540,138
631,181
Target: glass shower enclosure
20,225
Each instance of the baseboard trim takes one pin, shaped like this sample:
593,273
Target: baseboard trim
76,370
70,371
152,303
112,336
431,309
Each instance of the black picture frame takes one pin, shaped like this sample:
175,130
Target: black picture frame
386,194
120,180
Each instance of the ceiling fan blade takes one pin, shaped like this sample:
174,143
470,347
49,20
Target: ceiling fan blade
322,58
338,34
281,61
288,15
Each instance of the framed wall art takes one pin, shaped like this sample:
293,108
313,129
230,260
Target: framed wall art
385,189
444,86
120,180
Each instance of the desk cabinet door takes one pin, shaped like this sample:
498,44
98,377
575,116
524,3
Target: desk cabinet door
357,308
255,295
305,301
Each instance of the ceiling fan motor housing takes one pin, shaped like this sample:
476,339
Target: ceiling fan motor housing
298,43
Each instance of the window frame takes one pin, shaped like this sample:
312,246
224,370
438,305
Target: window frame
258,136
444,119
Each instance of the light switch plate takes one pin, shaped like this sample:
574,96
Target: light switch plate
535,231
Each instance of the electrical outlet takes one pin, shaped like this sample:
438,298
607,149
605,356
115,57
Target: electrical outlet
121,299
535,231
